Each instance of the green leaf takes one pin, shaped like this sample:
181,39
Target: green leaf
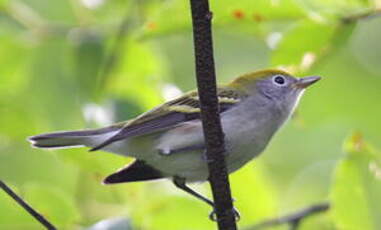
88,60
185,210
160,205
242,15
262,9
254,194
356,201
13,57
335,8
55,205
60,11
55,89
365,52
304,37
3,2
139,74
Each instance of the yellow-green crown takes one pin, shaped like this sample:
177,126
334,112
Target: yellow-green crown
250,78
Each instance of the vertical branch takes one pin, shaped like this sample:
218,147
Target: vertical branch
27,207
214,137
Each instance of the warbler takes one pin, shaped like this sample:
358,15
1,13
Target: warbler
168,141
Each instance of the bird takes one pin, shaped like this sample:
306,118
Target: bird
168,141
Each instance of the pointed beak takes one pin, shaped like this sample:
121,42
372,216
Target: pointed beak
303,83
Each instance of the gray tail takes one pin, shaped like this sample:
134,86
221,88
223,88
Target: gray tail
72,139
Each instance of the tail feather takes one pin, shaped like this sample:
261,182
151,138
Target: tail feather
72,139
136,171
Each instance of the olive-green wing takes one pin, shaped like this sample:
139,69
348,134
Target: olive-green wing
182,109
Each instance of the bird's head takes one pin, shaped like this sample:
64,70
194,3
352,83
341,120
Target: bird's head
275,85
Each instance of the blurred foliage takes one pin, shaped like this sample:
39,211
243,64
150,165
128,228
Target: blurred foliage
356,187
70,65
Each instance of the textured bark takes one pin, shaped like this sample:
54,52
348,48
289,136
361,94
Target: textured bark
214,137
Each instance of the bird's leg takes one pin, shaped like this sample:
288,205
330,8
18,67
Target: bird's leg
180,183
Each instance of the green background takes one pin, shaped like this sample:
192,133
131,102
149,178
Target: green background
70,65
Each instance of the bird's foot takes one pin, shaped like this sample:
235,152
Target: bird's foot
213,215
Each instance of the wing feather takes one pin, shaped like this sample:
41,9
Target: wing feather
182,109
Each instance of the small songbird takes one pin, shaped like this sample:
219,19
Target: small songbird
168,141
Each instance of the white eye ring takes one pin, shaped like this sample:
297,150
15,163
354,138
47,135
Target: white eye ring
279,79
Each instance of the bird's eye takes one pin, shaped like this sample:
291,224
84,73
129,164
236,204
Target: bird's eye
279,80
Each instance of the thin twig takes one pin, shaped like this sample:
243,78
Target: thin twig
293,219
27,207
214,137
364,15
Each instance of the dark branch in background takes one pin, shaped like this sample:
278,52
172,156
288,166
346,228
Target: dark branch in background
214,137
27,207
293,219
